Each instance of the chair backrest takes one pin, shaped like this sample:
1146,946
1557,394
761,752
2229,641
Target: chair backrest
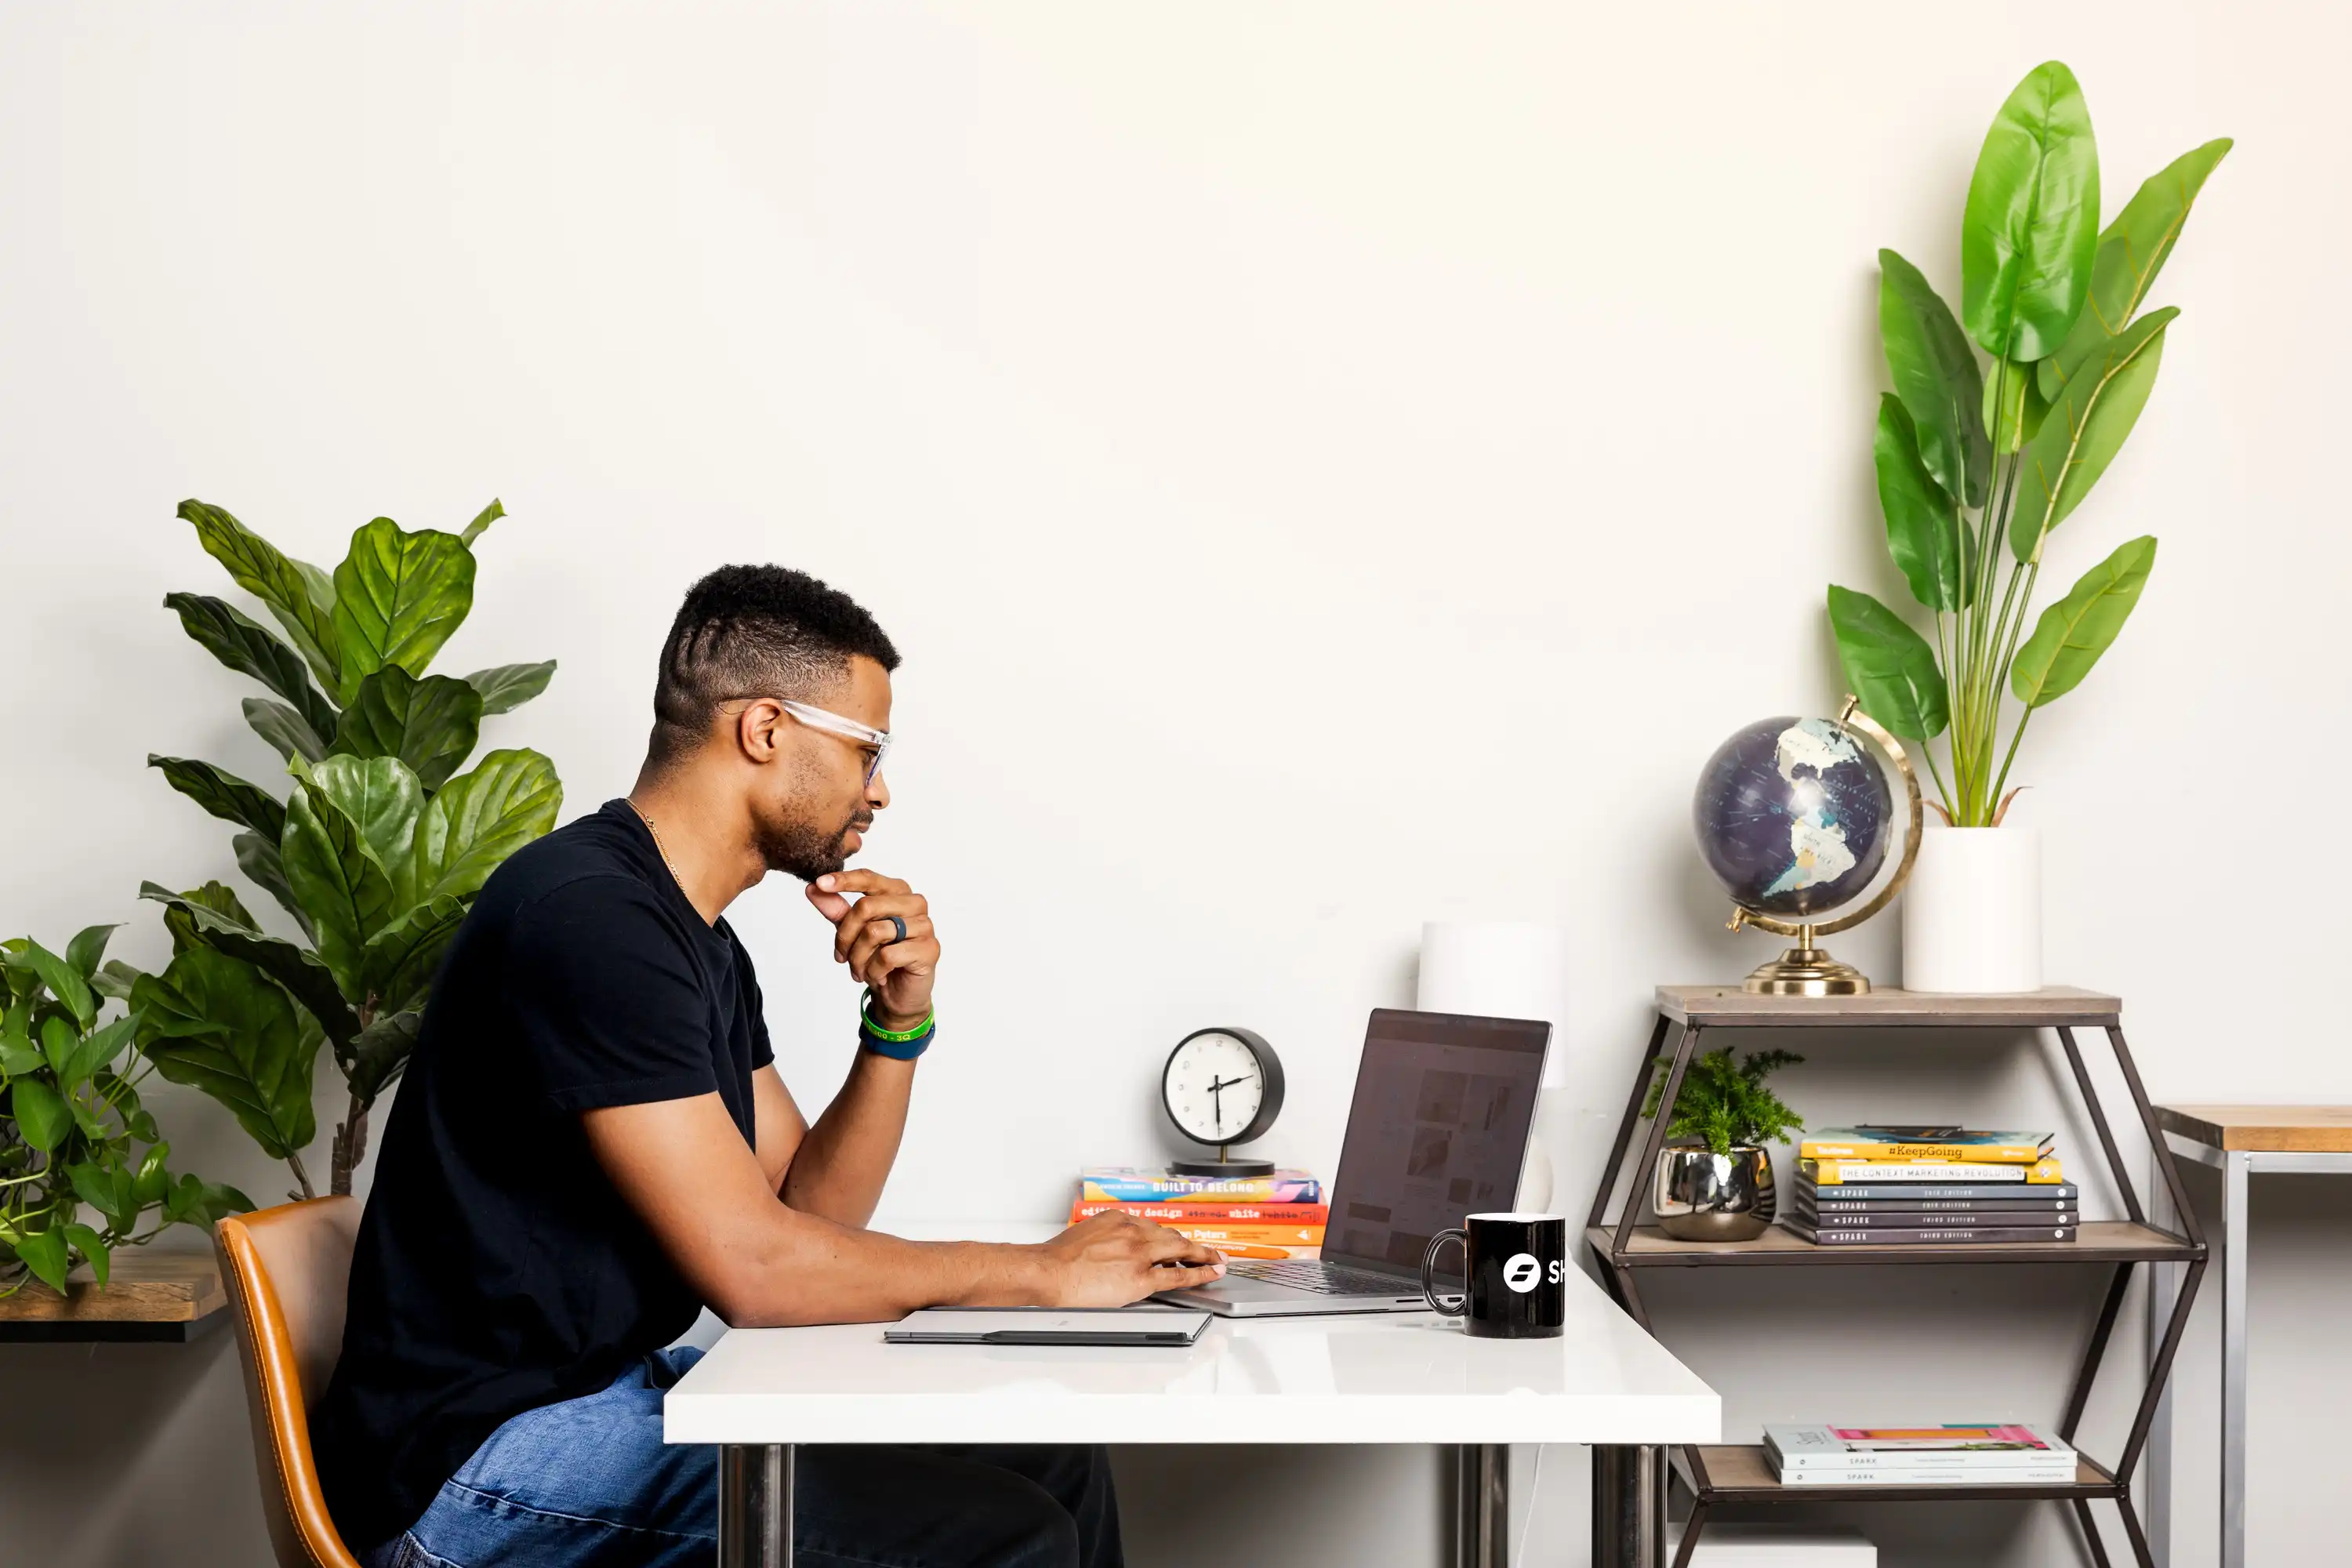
287,1269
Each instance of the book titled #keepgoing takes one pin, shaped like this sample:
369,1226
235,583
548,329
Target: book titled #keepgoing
1949,1172
1880,1142
1893,1235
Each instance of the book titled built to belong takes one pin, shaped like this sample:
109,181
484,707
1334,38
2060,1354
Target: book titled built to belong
1936,1143
1129,1184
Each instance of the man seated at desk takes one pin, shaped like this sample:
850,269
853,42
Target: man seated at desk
593,1143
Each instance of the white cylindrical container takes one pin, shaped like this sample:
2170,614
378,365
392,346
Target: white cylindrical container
1497,968
1972,911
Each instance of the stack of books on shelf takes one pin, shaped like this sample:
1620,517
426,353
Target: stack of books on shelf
1960,1456
1877,1186
1280,1215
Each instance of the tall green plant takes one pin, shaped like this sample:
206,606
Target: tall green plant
1972,457
76,1144
377,851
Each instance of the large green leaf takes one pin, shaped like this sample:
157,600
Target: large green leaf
476,820
1888,666
289,734
221,1026
2085,431
401,959
2132,251
88,946
382,794
223,794
482,520
398,596
217,897
114,979
297,969
93,1247
201,1203
99,1047
42,1119
276,581
63,981
507,687
1935,375
337,878
379,1055
2073,633
44,1252
429,724
259,859
1922,525
2032,218
246,648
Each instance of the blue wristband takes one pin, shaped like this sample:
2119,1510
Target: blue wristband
897,1050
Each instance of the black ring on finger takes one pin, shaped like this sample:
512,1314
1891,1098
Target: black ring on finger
901,924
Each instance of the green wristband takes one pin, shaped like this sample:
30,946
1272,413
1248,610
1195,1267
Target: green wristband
895,1036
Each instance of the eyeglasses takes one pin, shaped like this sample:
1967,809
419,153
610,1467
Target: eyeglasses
848,728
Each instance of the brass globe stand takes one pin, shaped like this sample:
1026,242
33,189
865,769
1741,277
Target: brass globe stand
1806,969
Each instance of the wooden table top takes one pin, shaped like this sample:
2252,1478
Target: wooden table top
145,1287
1727,1006
2271,1129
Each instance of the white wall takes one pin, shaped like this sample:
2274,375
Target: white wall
1329,467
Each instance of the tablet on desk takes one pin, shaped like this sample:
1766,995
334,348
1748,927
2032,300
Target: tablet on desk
1048,1326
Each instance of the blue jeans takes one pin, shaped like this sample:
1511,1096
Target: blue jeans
589,1483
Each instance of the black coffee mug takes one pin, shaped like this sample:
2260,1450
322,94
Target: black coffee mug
1518,1268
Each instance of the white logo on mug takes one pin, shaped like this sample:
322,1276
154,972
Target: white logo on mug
1522,1272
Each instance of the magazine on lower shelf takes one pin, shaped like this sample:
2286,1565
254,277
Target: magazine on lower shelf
1829,1455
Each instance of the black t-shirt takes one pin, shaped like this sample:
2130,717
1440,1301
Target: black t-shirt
497,1269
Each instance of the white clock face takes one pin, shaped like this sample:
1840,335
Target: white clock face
1212,1087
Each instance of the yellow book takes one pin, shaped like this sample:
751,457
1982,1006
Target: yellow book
1959,1144
2044,1172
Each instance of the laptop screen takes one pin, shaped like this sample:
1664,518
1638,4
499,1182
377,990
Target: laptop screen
1438,1130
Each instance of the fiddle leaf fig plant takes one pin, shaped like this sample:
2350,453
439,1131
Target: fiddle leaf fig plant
377,850
1972,457
1723,1104
83,1166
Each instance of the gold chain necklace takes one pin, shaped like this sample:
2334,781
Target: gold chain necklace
659,847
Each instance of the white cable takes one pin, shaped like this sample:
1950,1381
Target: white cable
1535,1495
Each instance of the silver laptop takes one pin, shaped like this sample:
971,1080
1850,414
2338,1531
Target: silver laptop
1438,1130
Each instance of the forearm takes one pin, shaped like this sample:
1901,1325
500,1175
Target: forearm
800,1270
838,1170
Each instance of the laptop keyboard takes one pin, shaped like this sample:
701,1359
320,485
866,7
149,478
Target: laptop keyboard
1322,1279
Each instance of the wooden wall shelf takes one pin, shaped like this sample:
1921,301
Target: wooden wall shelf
166,1297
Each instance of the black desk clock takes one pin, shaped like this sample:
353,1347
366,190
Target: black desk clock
1222,1087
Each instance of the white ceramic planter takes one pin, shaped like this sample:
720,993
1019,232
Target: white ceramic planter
1972,911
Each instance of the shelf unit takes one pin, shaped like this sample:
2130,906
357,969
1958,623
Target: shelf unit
1723,1475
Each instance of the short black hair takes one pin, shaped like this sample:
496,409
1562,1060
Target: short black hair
755,631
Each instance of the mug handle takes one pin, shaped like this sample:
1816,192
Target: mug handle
1429,1268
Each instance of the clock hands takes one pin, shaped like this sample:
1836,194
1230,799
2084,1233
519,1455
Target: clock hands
1217,1087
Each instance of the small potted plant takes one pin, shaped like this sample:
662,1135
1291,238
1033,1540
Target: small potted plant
1713,1178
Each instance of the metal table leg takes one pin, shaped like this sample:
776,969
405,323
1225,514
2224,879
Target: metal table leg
2162,1282
1629,1506
2237,1165
1482,1505
755,1506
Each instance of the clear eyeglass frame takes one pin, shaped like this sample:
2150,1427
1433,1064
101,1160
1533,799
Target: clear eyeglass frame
848,728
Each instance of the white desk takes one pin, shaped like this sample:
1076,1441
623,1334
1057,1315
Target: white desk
1401,1378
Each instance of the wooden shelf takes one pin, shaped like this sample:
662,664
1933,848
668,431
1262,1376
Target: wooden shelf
2100,1241
2265,1128
1727,1473
170,1297
1729,1008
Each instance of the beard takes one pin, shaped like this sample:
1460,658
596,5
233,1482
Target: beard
805,851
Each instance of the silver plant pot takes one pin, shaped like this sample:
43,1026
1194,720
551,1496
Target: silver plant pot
1705,1197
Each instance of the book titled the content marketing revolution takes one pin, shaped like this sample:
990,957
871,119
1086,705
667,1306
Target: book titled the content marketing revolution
1839,1173
1889,1143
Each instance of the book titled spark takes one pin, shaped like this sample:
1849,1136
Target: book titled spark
1877,1143
2000,1452
1131,1184
1936,1235
1838,1172
1211,1212
1860,1197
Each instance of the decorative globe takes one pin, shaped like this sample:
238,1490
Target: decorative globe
1793,816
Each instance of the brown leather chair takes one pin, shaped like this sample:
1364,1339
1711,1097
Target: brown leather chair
286,1270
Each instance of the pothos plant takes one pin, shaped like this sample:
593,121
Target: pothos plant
1970,459
1725,1105
379,847
82,1165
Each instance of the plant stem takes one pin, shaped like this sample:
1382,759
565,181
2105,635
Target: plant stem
302,1176
2015,736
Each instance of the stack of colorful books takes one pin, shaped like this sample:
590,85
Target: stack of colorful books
1876,1186
1917,1456
1280,1215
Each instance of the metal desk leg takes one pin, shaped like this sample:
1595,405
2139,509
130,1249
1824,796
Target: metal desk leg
2161,1284
755,1506
1482,1505
2237,1166
1629,1506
